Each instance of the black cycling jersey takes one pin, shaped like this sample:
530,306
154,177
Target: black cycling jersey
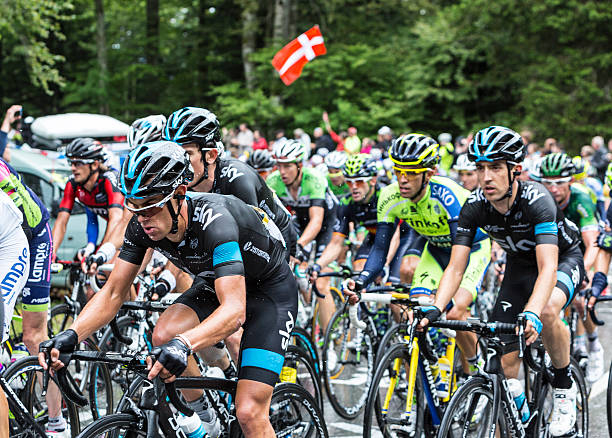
224,236
233,177
533,219
358,213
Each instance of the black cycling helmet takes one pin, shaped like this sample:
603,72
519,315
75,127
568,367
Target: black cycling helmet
194,125
261,159
414,150
155,168
497,143
85,149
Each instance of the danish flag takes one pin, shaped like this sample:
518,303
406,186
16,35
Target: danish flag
290,60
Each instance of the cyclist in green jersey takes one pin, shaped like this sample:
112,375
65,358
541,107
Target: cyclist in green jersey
335,179
557,172
430,205
305,193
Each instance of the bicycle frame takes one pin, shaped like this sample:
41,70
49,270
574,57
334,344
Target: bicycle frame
19,411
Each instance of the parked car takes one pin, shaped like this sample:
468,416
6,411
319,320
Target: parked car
47,177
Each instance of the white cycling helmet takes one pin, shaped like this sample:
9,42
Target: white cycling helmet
464,164
289,151
146,130
335,160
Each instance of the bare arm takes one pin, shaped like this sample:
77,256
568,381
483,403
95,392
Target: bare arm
332,251
590,253
115,228
395,240
316,215
226,319
59,229
104,305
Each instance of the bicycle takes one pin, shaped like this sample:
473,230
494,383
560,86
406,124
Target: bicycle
293,412
27,407
484,402
396,397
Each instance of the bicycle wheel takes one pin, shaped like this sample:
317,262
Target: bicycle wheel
316,330
386,400
582,404
61,318
348,365
24,377
470,411
114,426
394,335
294,413
299,369
301,338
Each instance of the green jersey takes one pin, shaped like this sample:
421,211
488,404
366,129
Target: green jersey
313,192
340,190
434,216
581,209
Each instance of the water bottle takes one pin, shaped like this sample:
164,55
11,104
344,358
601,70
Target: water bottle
192,426
516,389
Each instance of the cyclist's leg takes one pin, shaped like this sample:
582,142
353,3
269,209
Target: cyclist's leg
191,308
466,295
327,306
271,313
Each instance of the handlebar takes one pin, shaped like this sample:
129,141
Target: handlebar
600,299
345,272
92,278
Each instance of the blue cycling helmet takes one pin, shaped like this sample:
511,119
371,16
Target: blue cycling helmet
497,143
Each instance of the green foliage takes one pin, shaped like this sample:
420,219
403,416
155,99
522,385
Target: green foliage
418,65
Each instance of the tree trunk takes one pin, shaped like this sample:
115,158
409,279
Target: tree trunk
282,16
102,59
249,33
152,49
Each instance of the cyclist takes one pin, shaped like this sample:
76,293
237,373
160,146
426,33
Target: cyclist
14,268
557,171
304,191
544,262
95,186
467,172
335,179
581,175
430,205
261,160
198,131
204,234
145,130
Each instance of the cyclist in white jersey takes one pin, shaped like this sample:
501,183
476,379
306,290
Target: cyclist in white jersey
14,269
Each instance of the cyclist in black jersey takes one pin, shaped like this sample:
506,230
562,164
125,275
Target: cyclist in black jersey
213,237
198,131
544,268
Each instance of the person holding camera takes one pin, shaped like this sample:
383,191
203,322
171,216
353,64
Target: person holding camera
13,115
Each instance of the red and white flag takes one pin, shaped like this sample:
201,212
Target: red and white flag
290,60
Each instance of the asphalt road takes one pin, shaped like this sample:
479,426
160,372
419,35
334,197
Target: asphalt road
598,423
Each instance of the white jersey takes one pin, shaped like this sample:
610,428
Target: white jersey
14,259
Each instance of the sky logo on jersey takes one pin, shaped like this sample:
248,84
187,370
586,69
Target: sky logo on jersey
287,332
521,245
531,193
13,275
231,173
204,215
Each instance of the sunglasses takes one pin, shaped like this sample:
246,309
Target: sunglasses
409,172
356,180
79,163
335,174
556,182
149,210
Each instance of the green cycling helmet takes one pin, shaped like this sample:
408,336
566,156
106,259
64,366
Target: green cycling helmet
557,164
359,166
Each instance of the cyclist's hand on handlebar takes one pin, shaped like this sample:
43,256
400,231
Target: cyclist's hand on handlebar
351,288
430,314
313,272
171,360
533,327
64,342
